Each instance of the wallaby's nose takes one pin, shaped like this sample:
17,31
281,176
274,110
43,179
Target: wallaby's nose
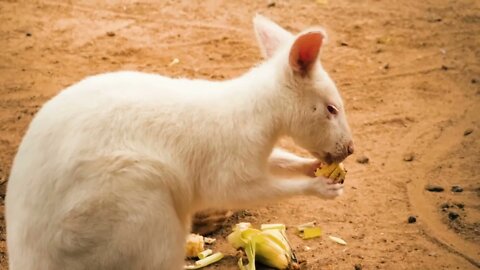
350,148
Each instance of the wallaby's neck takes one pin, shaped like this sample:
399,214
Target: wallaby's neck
259,103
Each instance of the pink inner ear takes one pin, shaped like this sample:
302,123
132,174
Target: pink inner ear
269,43
305,51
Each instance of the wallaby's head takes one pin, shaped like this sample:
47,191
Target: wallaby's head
314,109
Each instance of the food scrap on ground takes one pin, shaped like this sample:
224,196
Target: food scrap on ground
268,246
309,233
337,240
206,261
195,248
194,245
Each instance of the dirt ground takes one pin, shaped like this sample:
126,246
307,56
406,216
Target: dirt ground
409,72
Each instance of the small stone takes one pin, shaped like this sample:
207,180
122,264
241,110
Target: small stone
434,188
357,266
408,157
363,159
271,4
433,20
457,189
110,33
453,216
386,66
412,219
28,34
474,81
344,44
444,67
468,131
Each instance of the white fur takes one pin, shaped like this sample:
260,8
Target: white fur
111,169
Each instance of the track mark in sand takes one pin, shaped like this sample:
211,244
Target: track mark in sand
364,175
450,248
434,228
418,72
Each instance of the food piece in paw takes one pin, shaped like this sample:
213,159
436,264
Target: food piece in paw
334,171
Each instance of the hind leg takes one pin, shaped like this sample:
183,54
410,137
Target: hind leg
144,233
128,219
158,243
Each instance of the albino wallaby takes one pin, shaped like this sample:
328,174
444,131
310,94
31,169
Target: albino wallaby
112,168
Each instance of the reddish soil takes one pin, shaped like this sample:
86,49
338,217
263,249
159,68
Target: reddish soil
409,72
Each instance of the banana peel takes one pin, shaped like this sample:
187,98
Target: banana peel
268,246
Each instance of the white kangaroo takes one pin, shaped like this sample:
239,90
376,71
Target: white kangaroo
112,168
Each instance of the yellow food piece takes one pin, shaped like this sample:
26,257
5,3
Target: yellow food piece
264,227
334,171
313,232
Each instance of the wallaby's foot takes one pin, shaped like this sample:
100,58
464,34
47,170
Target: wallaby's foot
209,221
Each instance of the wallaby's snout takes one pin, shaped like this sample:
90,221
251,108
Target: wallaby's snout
342,153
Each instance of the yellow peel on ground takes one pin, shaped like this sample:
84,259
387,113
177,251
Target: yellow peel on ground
302,227
268,246
204,254
272,227
206,261
309,233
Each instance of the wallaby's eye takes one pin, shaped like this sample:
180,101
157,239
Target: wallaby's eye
332,109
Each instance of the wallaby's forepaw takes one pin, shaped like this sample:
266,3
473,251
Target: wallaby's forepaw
304,166
325,188
310,166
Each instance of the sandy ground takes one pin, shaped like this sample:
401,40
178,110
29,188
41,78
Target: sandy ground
409,72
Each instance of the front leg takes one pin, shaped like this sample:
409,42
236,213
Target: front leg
262,190
285,163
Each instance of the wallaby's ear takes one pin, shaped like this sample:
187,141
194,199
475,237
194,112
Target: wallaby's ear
304,51
270,36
